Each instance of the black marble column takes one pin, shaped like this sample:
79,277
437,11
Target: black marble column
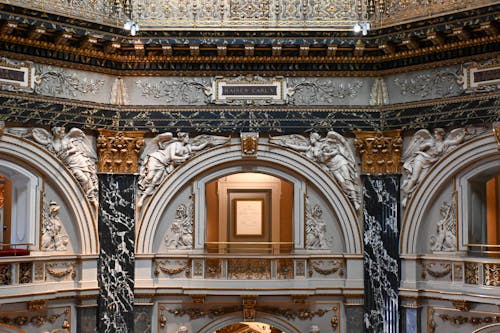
116,259
381,252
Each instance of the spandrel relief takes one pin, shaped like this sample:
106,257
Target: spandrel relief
333,154
180,234
54,236
164,153
445,237
316,232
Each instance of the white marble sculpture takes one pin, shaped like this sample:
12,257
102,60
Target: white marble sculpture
180,233
54,237
445,238
333,154
76,152
423,151
164,153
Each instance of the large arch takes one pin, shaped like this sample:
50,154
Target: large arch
480,148
21,151
268,155
236,317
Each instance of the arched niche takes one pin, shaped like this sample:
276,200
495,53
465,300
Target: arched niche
273,160
235,317
438,177
26,158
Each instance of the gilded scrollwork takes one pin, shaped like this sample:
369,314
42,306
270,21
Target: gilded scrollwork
213,268
119,151
5,274
471,273
285,269
25,272
492,274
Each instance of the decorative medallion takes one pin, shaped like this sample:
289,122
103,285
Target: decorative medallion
249,144
119,151
380,151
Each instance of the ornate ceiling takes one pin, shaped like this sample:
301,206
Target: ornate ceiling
264,37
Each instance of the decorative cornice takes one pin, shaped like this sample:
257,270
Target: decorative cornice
380,152
119,151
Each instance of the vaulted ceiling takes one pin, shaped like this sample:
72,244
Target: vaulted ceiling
316,40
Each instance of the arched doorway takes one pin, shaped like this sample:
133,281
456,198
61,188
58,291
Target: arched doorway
232,323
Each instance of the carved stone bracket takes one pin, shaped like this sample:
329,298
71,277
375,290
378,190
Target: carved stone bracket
119,151
380,151
249,302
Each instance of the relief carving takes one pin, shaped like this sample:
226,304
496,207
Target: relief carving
380,151
445,238
436,270
73,149
5,274
316,233
180,234
326,267
180,91
424,150
164,153
60,270
440,84
492,274
172,267
471,273
249,269
333,154
54,236
320,91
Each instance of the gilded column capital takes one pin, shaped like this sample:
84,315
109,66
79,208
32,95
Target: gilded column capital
118,151
380,152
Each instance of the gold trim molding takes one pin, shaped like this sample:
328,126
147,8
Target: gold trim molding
380,152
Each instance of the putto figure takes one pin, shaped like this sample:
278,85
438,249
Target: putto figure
333,154
76,152
423,151
164,153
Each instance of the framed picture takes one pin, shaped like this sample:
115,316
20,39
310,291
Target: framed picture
249,217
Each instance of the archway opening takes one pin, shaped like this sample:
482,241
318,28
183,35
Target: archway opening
249,212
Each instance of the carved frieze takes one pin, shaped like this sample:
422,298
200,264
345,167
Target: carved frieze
44,319
60,82
380,152
249,269
119,151
312,91
433,84
181,91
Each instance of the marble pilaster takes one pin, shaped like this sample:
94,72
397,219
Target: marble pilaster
115,270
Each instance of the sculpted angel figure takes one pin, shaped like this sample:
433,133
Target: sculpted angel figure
164,153
424,150
76,152
333,154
